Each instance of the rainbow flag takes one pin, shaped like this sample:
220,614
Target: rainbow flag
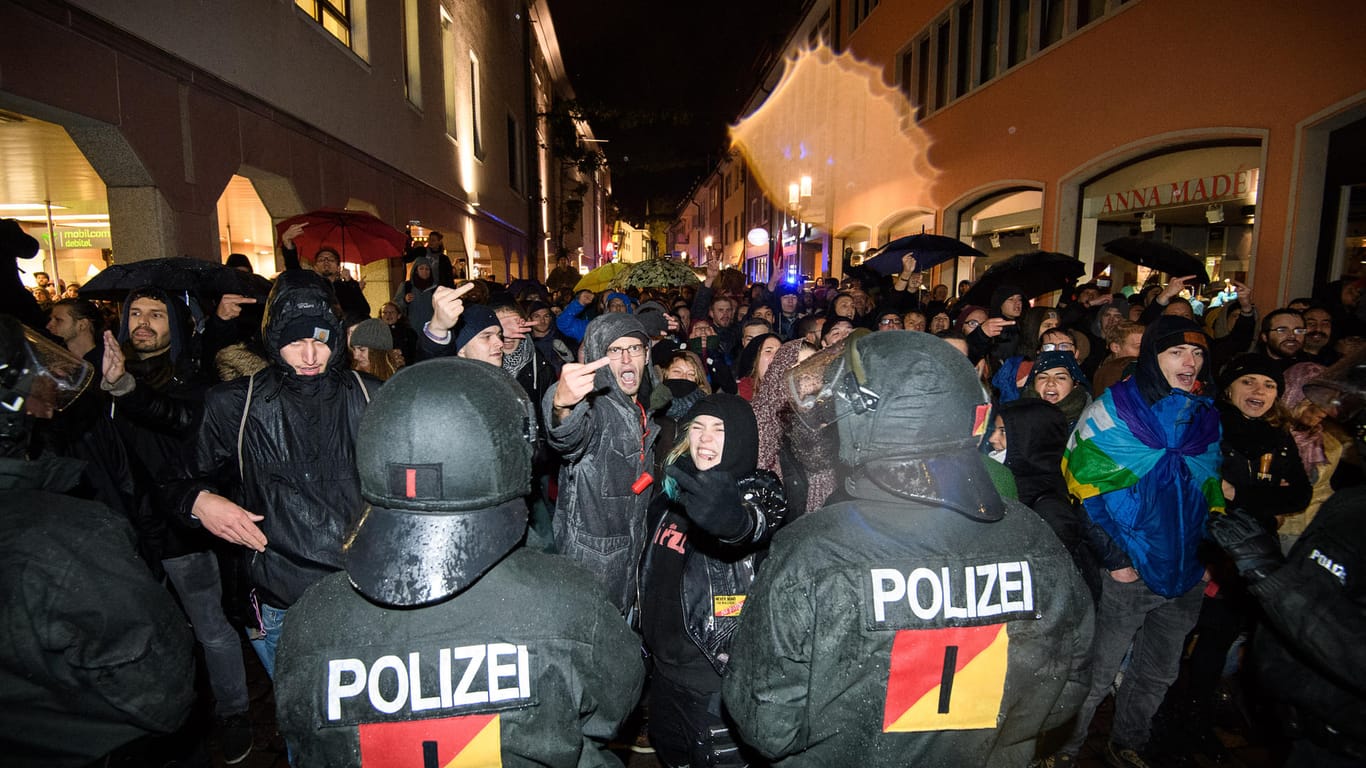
1149,476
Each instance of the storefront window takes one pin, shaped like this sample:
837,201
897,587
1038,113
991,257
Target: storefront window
1000,226
1202,201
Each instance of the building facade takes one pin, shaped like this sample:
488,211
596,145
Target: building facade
1063,124
201,125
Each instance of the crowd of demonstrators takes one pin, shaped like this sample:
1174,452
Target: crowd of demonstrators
793,499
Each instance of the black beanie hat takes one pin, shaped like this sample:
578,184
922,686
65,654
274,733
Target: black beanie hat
473,320
740,455
1252,363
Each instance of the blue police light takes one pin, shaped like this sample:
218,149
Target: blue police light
792,276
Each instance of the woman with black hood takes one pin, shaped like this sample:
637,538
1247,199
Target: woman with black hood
420,278
711,521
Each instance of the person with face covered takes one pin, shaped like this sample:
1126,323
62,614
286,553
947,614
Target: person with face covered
604,435
712,518
1144,460
272,464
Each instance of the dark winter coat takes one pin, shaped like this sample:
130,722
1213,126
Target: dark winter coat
606,443
531,658
823,673
713,569
1284,489
93,652
1311,656
296,464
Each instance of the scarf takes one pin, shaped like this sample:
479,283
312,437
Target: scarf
517,359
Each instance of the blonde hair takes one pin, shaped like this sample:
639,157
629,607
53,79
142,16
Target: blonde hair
699,370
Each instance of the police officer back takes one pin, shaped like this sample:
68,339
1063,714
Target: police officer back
444,642
924,620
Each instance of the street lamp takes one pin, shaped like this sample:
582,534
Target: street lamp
706,244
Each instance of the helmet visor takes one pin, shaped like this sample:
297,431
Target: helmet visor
826,387
59,377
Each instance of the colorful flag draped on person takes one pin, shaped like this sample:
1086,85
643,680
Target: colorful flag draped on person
1135,465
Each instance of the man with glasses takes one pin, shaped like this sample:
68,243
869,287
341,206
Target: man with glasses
597,424
1283,337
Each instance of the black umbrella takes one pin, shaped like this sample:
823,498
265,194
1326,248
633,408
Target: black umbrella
929,250
1033,273
180,274
1160,256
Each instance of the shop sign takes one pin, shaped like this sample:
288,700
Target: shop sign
82,237
1225,186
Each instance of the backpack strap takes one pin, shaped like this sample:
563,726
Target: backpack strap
242,426
364,390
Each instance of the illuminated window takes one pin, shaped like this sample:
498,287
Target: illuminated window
334,15
476,112
448,70
412,59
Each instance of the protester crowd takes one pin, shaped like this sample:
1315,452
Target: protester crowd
742,519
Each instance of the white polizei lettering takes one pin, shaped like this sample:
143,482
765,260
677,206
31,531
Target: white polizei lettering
970,580
951,611
913,593
337,690
523,673
444,671
1324,561
420,702
882,596
463,694
506,676
988,589
1009,585
498,671
984,606
377,700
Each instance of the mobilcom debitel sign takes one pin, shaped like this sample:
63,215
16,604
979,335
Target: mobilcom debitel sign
81,237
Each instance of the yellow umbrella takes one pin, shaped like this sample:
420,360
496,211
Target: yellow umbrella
598,279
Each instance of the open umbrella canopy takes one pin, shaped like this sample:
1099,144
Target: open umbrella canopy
599,279
1034,273
929,251
1160,256
179,274
358,236
656,273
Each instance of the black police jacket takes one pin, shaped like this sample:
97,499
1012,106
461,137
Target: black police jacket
887,632
531,665
93,652
1311,655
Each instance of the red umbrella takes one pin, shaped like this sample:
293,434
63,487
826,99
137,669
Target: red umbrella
359,237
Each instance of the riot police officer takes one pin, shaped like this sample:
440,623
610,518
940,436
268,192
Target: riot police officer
444,640
923,620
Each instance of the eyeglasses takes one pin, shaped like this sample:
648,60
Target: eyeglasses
1062,346
1283,330
621,353
889,321
972,323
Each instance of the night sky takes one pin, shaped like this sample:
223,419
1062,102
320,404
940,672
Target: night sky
661,82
